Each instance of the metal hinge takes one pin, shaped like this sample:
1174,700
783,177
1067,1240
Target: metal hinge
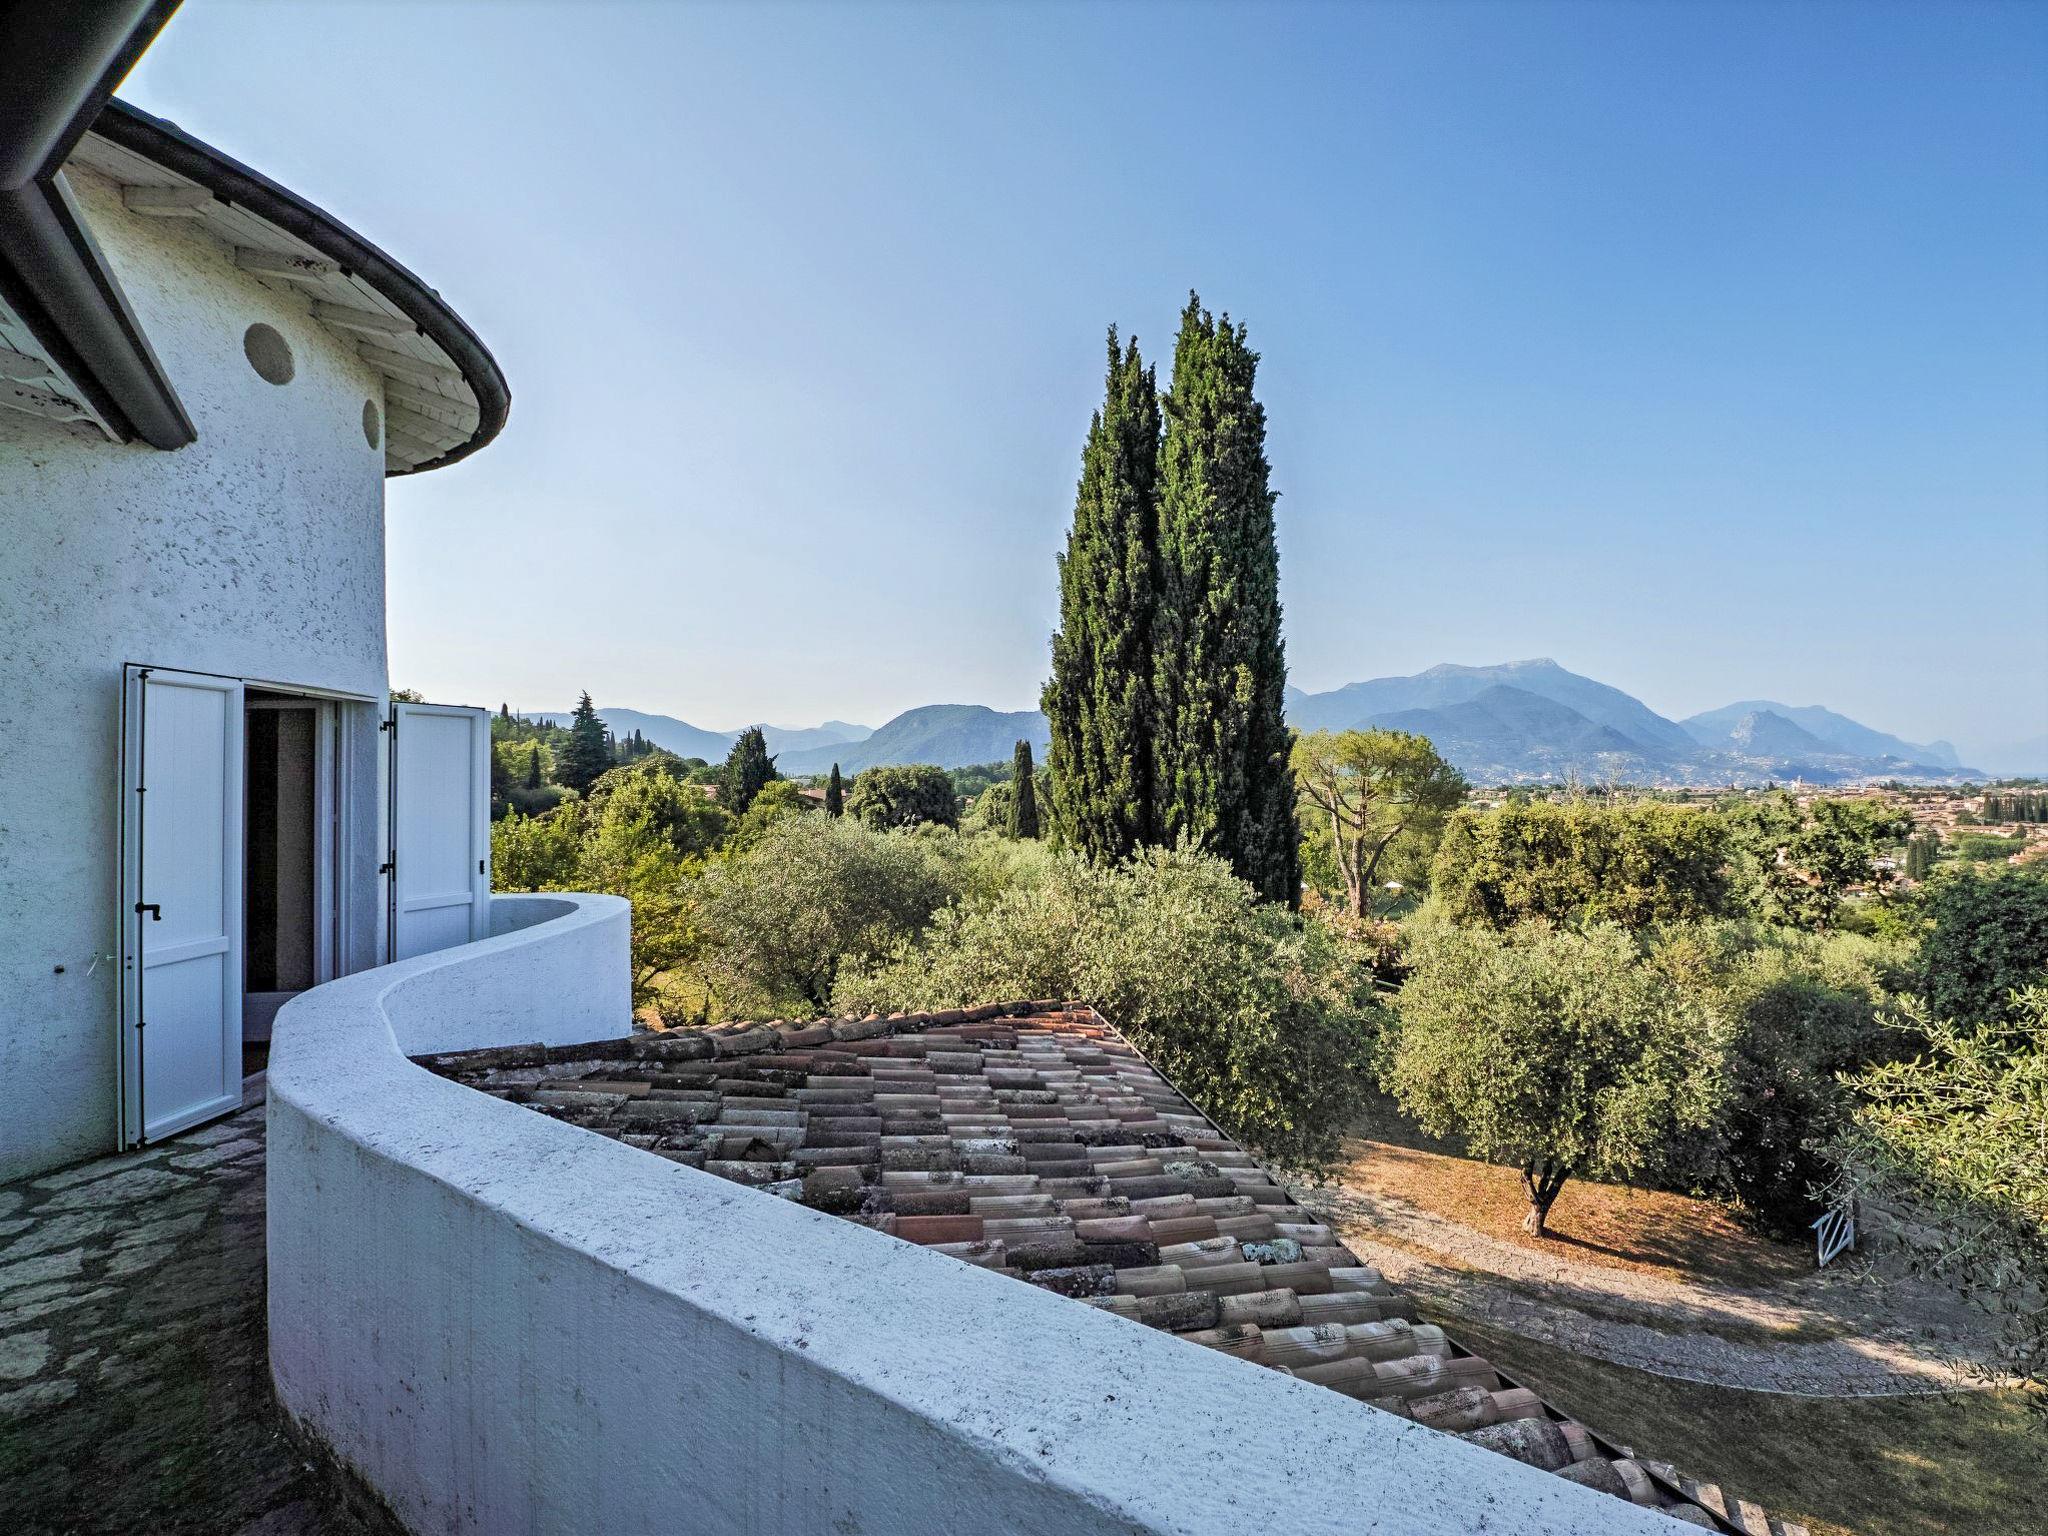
389,866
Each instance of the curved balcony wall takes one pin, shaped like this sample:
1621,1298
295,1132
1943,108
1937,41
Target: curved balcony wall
505,1324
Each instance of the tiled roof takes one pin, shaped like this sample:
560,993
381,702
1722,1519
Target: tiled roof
1032,1139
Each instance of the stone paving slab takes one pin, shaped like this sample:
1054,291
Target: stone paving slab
135,1390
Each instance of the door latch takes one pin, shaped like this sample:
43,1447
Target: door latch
155,911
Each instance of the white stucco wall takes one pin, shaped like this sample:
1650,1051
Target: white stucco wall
255,552
507,1324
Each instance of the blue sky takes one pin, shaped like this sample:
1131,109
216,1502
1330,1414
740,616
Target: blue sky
1703,347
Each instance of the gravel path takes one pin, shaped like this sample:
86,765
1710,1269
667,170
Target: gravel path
1838,1332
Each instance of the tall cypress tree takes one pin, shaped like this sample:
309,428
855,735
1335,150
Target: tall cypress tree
1023,821
1219,668
747,767
533,766
835,794
587,753
1100,696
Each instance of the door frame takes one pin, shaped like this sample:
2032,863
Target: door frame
336,830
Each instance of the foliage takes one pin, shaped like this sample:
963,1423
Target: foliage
1364,791
537,853
902,795
1022,821
747,767
1950,1153
1219,666
1633,864
584,752
1989,847
778,798
1553,1052
1264,1020
813,894
976,777
1099,701
1988,937
1796,863
1922,848
1800,1009
835,794
2016,805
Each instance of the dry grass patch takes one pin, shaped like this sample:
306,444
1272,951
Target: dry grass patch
1607,1224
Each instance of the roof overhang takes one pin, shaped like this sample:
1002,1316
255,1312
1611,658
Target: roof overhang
71,349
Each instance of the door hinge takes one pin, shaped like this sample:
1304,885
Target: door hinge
155,911
388,867
480,867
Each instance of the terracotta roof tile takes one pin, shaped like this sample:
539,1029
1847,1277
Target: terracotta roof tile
1031,1139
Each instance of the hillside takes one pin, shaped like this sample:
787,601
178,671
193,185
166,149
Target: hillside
1504,733
1833,732
1446,684
687,740
951,735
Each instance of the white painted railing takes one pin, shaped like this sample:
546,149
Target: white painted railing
506,1324
1834,1234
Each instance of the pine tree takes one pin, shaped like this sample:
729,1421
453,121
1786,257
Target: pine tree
1023,795
835,794
533,766
587,753
1219,666
1100,700
747,767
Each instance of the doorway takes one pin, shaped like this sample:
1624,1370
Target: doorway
288,907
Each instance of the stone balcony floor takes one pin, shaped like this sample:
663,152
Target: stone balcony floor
135,1387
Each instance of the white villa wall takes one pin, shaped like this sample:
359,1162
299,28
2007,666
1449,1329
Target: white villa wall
507,1324
257,552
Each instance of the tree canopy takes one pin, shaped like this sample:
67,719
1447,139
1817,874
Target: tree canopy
1555,1052
587,752
903,795
1364,791
1636,864
1022,820
1099,701
747,768
1219,665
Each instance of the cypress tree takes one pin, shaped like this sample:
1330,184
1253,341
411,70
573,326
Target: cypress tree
1023,820
835,794
587,753
1219,665
747,767
1099,699
533,766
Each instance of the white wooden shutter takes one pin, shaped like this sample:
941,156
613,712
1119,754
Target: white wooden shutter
440,859
181,900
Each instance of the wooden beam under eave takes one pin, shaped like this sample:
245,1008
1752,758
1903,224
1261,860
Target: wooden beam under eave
461,415
406,443
20,365
420,428
167,202
371,322
40,402
406,366
293,269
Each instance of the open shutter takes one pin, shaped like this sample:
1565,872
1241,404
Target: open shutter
181,900
440,860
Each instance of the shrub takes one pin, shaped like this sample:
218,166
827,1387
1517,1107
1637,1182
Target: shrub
1989,937
1261,1019
1948,1154
814,893
1800,1010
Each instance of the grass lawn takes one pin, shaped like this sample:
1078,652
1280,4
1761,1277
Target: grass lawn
1894,1466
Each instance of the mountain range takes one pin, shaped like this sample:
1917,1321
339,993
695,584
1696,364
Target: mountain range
1515,722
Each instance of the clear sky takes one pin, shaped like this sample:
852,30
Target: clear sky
1703,347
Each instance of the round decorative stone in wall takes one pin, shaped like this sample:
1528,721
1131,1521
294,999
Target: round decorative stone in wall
373,426
268,353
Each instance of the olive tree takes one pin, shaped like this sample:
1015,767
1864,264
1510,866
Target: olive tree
903,795
1556,1053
